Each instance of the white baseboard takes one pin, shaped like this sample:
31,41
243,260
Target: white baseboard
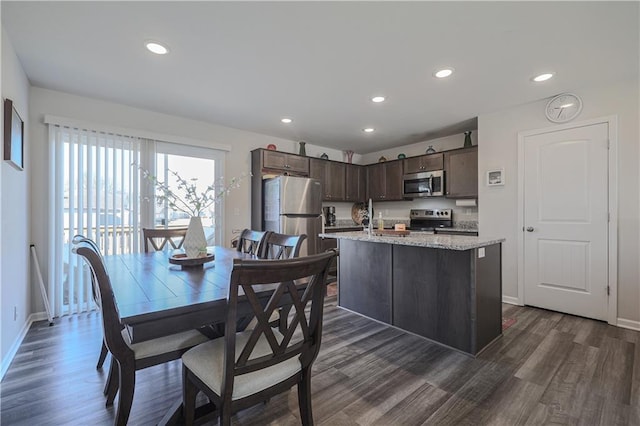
6,362
630,324
511,300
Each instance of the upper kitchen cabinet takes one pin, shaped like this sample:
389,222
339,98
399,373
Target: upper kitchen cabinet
355,183
332,176
384,181
424,163
461,173
286,163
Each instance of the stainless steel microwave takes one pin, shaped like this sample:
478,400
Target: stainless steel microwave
423,184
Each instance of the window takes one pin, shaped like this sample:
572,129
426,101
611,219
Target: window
96,190
205,165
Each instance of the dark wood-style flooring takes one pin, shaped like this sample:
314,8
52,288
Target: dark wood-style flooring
548,368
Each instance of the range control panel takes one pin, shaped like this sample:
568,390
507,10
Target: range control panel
431,214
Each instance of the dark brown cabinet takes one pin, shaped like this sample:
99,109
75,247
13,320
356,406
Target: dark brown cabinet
332,176
281,161
424,163
355,183
384,181
461,173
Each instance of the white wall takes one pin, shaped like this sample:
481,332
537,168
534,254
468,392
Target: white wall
14,214
237,204
498,142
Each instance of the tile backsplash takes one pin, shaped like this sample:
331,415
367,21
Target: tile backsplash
398,211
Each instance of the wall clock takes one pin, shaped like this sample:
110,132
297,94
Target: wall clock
564,107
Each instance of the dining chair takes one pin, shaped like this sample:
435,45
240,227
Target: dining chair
160,237
281,246
251,241
245,368
127,357
103,350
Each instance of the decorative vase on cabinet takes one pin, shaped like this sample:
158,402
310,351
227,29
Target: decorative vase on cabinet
303,150
467,139
195,243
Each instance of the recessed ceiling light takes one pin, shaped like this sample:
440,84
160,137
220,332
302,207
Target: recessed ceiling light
543,77
157,48
368,130
443,73
377,99
286,120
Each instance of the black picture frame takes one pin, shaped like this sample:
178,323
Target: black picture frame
13,136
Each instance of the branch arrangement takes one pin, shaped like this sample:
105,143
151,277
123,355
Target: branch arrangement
192,203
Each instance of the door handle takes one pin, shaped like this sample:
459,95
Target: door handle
530,229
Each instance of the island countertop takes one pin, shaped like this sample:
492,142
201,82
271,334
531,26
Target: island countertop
421,239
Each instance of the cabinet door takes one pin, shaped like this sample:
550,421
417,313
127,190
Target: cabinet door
285,162
375,181
393,180
332,176
298,164
461,173
354,183
334,181
423,163
433,162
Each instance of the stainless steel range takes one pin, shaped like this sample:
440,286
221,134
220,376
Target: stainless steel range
429,219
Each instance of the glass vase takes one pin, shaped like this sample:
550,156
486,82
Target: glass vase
303,150
195,243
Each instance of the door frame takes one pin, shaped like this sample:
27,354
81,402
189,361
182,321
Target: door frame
612,249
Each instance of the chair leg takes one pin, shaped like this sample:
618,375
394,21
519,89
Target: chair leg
225,413
127,384
189,393
304,397
103,356
111,387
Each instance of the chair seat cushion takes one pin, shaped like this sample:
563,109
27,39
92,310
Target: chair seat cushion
206,362
162,345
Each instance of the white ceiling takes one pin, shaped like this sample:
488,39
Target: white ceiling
246,65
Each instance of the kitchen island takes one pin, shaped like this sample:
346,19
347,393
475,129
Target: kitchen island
447,288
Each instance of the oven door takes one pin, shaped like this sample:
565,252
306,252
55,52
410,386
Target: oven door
425,184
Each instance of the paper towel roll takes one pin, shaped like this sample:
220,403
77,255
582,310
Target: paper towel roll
466,203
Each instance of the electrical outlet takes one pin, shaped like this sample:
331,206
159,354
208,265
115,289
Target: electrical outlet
236,211
15,313
236,231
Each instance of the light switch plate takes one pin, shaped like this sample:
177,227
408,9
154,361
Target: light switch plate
480,252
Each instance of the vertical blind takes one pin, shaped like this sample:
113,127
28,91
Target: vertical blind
95,190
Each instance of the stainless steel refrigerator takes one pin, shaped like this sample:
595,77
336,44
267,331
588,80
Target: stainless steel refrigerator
293,205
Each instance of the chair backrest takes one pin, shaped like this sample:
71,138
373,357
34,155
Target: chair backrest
111,324
286,278
159,237
251,241
282,246
77,239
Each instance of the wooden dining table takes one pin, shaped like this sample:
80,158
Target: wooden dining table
156,298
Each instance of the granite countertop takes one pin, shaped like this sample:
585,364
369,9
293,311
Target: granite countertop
458,229
422,239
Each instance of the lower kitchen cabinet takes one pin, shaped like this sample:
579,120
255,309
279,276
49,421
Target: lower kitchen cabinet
366,275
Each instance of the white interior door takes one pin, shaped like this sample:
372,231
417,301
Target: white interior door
566,220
